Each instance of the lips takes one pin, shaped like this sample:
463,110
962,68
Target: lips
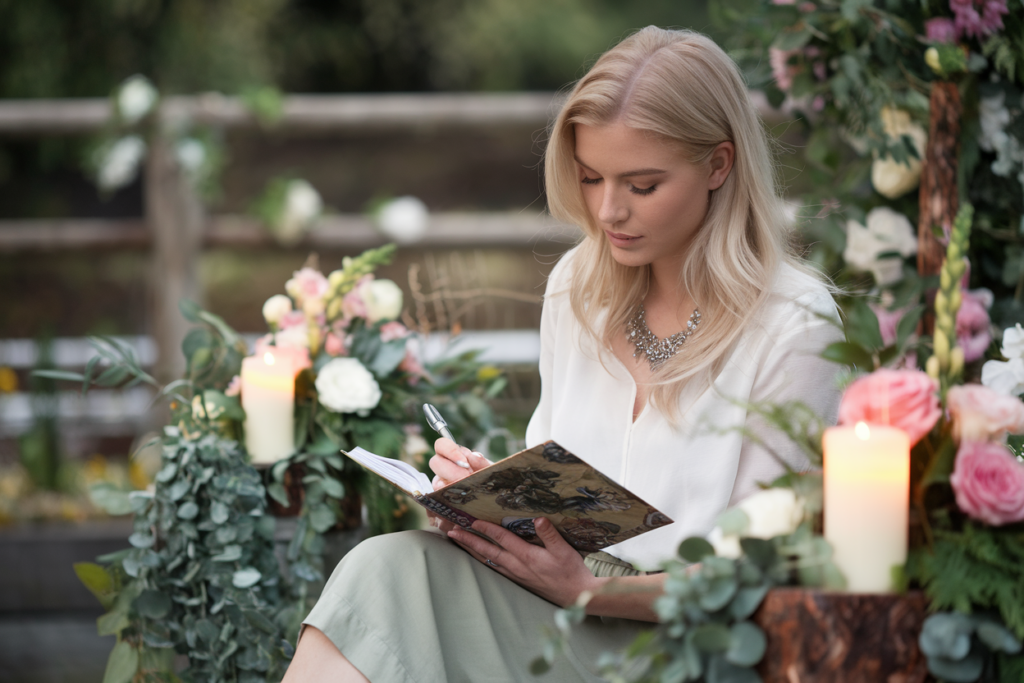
621,239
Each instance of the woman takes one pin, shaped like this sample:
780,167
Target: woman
681,306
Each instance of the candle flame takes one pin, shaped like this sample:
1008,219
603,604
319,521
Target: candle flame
862,431
268,358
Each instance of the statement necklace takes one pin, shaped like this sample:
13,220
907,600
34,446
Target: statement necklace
646,343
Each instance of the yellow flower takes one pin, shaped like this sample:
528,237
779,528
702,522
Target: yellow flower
487,373
8,380
931,58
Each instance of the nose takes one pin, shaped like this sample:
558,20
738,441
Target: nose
613,207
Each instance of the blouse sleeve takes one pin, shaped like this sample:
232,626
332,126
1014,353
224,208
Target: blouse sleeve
792,370
555,297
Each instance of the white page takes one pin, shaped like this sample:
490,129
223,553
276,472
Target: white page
399,473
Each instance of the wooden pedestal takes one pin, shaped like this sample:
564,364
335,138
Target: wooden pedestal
842,637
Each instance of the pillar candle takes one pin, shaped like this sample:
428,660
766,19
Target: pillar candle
867,496
268,397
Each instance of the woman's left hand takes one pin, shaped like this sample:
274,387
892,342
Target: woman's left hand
555,572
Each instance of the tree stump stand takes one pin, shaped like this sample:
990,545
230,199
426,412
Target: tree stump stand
818,636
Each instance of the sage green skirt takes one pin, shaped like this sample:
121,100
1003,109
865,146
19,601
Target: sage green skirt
413,606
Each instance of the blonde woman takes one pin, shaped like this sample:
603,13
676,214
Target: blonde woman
682,305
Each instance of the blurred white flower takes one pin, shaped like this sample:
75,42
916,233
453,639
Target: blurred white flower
404,219
296,336
135,99
892,179
383,300
772,512
886,231
191,154
345,386
1006,377
1013,342
119,162
275,308
301,207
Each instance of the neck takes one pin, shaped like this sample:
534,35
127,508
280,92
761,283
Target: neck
663,285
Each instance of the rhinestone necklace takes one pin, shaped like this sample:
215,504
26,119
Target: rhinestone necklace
646,343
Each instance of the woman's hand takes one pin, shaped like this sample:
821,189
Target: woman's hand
450,463
555,572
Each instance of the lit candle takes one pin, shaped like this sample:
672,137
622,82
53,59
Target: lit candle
268,397
867,495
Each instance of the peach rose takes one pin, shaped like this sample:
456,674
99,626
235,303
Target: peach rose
307,285
988,483
905,399
334,345
392,331
982,414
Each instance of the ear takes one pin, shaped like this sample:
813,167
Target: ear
720,164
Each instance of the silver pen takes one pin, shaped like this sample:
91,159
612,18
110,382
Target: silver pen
438,424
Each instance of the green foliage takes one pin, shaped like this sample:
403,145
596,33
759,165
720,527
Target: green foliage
961,648
976,568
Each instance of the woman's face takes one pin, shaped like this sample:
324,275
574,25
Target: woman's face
645,196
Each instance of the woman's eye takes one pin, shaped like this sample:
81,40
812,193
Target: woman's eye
642,190
590,181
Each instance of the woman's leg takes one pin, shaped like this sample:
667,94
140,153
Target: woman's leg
317,659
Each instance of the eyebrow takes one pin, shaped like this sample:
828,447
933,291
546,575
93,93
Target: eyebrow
627,174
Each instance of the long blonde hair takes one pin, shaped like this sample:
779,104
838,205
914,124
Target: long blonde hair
681,86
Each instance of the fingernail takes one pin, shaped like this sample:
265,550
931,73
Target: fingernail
462,463
478,454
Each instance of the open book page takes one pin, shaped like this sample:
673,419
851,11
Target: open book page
401,474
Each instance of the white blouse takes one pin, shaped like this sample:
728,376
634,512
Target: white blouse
694,470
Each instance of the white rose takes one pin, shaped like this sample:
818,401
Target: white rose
383,299
296,336
1013,342
1004,377
302,205
119,162
892,179
772,512
404,219
345,386
135,99
275,308
886,231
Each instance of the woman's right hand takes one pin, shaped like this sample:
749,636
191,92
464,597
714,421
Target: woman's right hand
447,465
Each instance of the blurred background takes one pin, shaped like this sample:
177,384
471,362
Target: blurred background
114,204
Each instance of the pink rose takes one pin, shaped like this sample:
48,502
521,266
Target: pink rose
292,319
940,30
334,345
972,323
392,331
887,322
307,285
982,414
988,483
412,363
900,398
978,18
353,305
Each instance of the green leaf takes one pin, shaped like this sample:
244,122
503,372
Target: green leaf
230,554
761,552
720,592
333,487
721,671
122,664
998,638
792,38
966,670
747,601
140,539
113,622
947,635
862,326
246,578
711,637
219,512
98,580
179,489
322,518
388,358
908,325
847,353
108,498
695,549
188,511
733,522
259,621
278,492
539,666
153,604
747,644
190,309
59,374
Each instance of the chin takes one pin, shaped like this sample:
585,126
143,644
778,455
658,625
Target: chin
632,259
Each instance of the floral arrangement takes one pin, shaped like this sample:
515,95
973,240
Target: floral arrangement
200,577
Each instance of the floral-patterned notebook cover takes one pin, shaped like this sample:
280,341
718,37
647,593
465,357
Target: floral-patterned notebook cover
590,510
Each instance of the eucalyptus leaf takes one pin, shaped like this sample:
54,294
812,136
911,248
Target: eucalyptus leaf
113,622
188,511
998,638
721,671
720,592
747,601
179,489
219,512
111,500
141,540
322,518
761,552
333,487
153,604
965,670
230,554
733,522
711,637
695,549
747,644
246,578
